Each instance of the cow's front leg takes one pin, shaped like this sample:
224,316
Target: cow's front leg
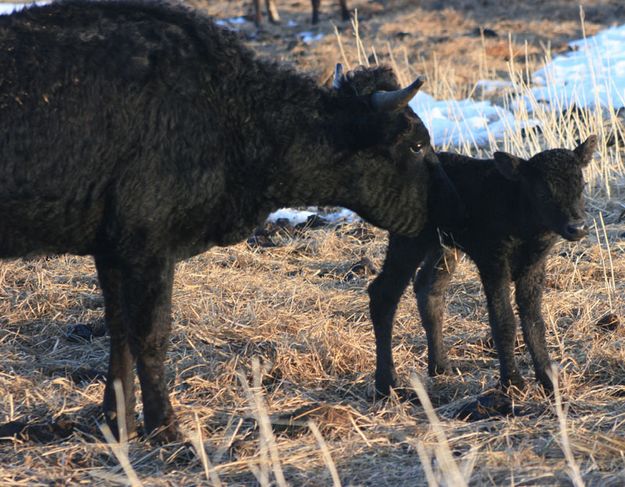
121,361
502,324
147,293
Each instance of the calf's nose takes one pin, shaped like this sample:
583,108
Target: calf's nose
576,230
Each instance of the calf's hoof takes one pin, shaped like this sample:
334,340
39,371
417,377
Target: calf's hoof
514,381
546,383
441,367
166,434
113,424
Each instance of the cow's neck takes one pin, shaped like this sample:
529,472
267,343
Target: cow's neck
311,169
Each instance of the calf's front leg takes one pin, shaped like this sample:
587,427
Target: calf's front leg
529,290
502,324
402,257
429,287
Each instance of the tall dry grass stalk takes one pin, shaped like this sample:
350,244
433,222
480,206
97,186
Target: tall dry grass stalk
574,472
449,471
269,457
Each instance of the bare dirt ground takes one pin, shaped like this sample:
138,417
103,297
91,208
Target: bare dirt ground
300,308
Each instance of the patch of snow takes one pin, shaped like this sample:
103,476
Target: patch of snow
295,217
291,23
455,122
9,8
230,23
591,75
342,216
308,37
236,20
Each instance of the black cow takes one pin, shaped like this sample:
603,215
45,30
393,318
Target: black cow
515,211
143,134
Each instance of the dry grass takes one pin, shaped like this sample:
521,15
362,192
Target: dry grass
272,358
309,330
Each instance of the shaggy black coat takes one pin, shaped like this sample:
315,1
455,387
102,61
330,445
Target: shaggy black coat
143,134
515,211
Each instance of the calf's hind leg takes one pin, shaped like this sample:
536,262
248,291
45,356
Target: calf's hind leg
429,287
402,257
121,361
147,293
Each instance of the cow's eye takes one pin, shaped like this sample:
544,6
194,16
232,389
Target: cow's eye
416,148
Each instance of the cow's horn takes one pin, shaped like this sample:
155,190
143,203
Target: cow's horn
394,100
338,76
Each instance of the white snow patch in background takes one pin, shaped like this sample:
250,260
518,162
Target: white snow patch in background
454,122
9,8
592,75
236,20
230,23
308,37
295,217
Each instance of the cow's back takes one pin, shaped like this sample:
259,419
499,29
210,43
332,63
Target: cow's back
108,112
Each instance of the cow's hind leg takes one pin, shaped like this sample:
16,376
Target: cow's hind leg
121,361
147,293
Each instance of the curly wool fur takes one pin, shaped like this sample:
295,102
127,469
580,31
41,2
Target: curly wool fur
515,211
143,134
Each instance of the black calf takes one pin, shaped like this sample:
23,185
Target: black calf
515,211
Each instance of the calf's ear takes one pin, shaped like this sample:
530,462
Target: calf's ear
508,165
585,150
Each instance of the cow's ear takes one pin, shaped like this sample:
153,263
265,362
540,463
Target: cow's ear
508,165
585,150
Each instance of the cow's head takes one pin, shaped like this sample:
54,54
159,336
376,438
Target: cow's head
553,183
395,167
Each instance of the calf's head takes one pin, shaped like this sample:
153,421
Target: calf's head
394,168
552,182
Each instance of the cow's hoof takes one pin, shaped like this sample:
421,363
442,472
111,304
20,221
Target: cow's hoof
440,368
